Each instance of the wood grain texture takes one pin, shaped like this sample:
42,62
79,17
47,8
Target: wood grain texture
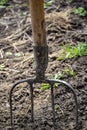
38,22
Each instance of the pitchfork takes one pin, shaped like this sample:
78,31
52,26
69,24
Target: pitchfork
40,49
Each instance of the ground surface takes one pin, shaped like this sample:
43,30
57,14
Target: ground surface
17,62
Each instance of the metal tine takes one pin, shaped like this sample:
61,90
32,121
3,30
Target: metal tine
53,104
10,97
32,102
10,103
51,82
67,85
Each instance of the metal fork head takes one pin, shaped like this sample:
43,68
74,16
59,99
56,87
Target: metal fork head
51,82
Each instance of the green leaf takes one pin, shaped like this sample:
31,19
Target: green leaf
69,51
8,53
82,48
2,2
70,72
80,11
2,67
58,75
44,86
18,54
48,4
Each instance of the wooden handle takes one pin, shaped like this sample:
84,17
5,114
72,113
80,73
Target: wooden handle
38,22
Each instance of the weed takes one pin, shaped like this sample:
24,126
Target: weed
69,51
8,53
45,86
18,54
80,11
48,4
69,72
2,67
59,75
2,2
70,1
26,5
82,49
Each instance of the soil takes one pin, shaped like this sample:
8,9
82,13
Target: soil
17,62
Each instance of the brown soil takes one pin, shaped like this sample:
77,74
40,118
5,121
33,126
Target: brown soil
16,56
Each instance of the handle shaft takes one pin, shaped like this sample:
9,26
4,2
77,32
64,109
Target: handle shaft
38,22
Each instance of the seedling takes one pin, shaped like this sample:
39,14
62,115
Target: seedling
70,1
8,53
2,2
69,72
82,49
69,51
45,86
48,4
59,75
80,11
25,5
18,54
2,67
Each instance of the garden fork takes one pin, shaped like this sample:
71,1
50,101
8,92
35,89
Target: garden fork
40,49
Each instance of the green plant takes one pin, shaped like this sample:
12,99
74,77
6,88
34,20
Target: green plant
69,51
8,53
82,49
2,2
80,11
2,67
48,4
70,1
18,54
45,86
25,5
69,72
59,75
